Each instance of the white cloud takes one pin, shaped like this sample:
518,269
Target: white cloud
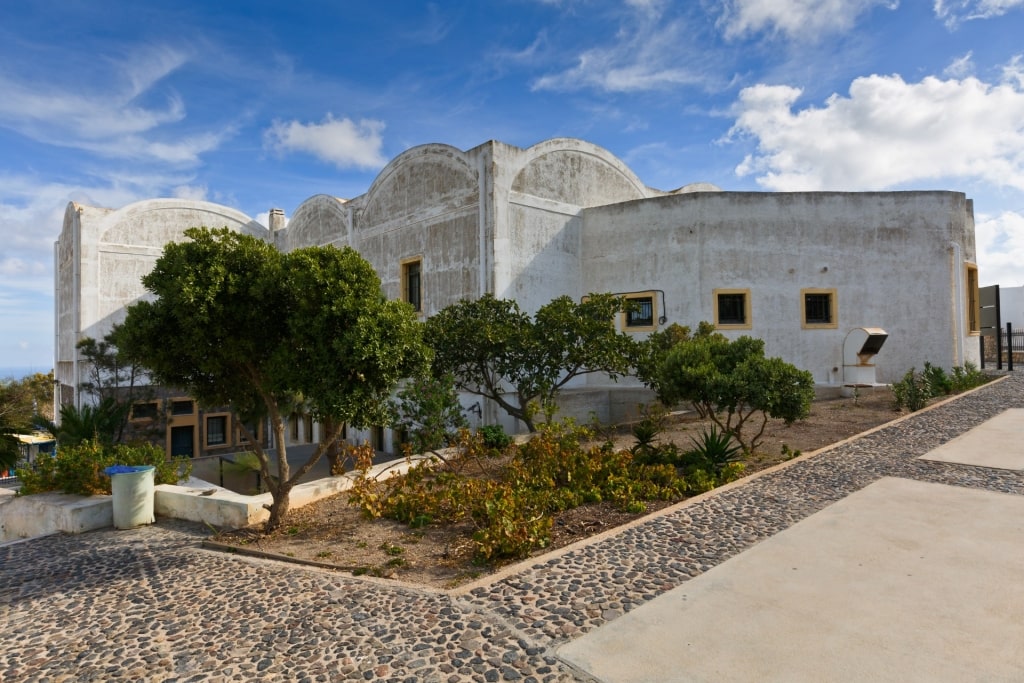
341,142
795,18
885,133
999,241
955,12
643,56
111,120
195,192
960,67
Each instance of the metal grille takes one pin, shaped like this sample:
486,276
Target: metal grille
641,312
818,309
732,309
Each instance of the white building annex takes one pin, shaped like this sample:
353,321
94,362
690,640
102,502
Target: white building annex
800,270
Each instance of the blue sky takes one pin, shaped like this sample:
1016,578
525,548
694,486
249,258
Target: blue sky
263,104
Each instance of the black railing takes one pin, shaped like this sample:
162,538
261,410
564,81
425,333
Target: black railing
1004,345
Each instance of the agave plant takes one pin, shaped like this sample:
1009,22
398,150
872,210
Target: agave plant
716,449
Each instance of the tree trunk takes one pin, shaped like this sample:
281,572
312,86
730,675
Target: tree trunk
278,508
333,449
280,490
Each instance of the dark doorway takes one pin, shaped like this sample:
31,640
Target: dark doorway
182,441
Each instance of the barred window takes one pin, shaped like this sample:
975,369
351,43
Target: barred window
641,312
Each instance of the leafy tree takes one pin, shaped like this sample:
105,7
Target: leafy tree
233,321
428,408
494,350
16,412
113,381
653,350
731,382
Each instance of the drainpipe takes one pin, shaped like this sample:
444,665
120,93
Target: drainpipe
958,307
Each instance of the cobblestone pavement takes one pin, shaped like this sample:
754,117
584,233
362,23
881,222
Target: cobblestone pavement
149,604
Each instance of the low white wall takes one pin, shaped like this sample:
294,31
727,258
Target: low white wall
197,501
47,513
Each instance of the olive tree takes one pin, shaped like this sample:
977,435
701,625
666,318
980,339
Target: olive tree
16,412
495,350
233,321
731,382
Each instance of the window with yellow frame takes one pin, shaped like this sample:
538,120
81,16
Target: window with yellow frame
217,430
641,314
732,309
819,309
412,282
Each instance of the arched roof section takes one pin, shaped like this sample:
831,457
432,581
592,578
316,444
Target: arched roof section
426,178
155,222
696,187
321,219
577,172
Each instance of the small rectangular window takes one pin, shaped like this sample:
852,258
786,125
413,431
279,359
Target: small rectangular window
412,288
732,308
145,411
254,429
819,308
217,430
641,312
181,407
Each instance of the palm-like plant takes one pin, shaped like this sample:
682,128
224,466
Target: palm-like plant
100,421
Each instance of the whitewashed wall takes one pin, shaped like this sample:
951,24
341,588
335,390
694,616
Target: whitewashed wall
894,258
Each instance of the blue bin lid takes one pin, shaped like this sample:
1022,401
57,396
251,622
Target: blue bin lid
126,469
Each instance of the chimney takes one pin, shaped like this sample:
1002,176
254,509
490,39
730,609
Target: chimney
276,220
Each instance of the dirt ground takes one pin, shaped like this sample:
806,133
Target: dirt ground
332,533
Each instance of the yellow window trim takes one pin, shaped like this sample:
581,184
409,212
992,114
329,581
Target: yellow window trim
833,309
227,430
404,280
973,304
655,313
746,310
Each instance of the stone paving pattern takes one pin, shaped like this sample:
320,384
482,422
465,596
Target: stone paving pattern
149,604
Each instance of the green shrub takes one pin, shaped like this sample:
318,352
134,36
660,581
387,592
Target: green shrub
79,469
912,392
494,436
939,383
967,377
916,388
512,511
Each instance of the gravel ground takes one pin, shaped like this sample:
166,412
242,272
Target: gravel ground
149,604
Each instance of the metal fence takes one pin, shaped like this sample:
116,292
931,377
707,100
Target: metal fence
1004,346
10,480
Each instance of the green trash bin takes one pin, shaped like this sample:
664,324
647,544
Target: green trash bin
133,491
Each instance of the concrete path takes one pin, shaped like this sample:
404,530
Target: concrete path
997,443
901,581
863,562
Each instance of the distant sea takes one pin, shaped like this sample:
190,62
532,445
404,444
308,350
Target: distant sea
20,371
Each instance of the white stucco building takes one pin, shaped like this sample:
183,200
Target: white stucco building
439,224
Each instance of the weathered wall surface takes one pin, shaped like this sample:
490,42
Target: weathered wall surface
538,195
894,258
102,255
425,204
566,217
318,221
